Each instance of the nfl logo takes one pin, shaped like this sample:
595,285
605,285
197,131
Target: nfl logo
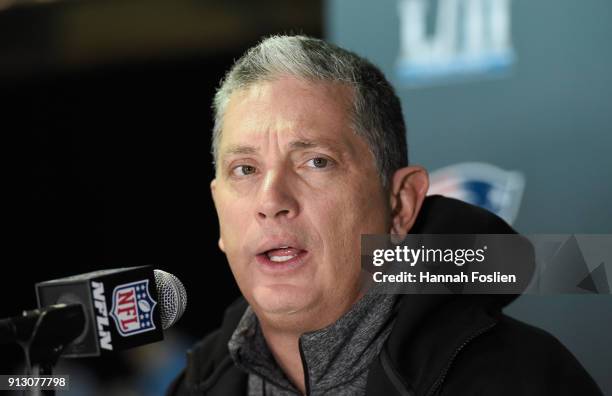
133,308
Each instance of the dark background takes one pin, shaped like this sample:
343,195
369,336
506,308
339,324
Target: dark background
107,113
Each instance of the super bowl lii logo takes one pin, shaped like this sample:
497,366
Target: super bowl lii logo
443,40
133,308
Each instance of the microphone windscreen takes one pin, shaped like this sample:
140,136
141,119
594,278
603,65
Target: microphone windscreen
172,297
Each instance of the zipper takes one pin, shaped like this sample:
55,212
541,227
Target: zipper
396,380
436,386
305,368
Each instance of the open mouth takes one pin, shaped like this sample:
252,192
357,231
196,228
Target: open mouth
281,258
282,254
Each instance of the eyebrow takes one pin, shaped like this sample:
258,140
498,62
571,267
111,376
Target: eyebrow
239,149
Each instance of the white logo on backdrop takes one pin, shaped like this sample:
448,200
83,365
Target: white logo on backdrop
453,38
481,184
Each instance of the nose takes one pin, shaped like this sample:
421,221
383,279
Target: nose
276,200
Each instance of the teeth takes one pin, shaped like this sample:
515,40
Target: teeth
280,259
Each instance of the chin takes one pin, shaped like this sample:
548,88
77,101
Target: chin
282,299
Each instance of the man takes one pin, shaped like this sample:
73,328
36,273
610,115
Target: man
310,153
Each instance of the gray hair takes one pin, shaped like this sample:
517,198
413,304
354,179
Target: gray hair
377,113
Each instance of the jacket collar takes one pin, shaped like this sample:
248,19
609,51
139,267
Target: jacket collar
431,329
429,332
209,362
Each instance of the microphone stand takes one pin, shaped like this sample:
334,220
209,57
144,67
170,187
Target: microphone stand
43,334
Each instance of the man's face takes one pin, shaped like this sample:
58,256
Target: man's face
295,189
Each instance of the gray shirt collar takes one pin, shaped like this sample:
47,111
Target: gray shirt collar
334,355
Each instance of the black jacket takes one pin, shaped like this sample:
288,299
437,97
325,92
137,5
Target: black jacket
439,345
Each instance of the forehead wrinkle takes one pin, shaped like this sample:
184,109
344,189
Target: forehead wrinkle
296,114
303,123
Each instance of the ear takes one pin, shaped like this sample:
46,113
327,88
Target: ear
213,185
408,189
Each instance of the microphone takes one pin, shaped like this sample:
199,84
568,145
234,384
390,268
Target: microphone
123,308
172,297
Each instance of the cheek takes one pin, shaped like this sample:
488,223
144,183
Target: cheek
343,217
357,210
232,230
233,223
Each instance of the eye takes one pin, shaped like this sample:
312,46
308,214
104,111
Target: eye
243,170
318,162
